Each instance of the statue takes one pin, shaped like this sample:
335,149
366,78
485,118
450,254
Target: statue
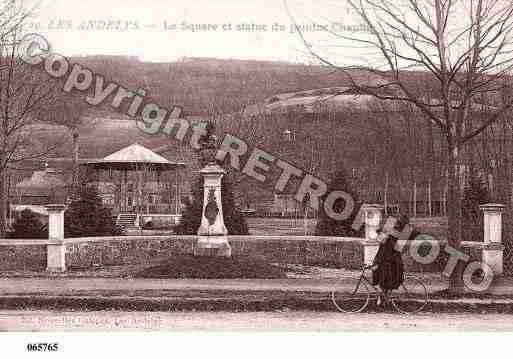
212,233
208,145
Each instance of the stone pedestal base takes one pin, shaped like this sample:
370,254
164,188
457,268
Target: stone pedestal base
493,257
214,246
370,249
56,257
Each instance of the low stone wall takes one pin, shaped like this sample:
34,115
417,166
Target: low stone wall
107,251
87,252
322,251
28,255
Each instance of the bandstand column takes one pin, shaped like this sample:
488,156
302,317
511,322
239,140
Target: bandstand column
124,190
177,191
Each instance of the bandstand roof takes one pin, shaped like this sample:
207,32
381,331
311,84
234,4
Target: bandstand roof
132,156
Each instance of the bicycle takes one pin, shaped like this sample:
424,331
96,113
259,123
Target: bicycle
410,298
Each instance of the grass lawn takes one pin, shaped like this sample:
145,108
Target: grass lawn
188,266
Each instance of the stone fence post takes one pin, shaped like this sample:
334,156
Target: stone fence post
492,226
373,214
56,250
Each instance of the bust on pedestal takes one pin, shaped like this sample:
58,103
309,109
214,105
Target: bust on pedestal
212,233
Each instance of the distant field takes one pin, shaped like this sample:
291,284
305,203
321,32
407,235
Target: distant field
265,226
435,226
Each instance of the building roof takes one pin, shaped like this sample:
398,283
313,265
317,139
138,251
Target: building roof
38,209
133,155
44,184
42,180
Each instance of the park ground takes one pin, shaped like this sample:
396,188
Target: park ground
118,297
103,300
218,295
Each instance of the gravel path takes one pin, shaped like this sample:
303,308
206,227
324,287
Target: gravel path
67,285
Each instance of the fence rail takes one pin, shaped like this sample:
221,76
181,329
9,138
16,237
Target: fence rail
57,247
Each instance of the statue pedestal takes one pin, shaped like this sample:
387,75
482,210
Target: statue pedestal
213,246
212,233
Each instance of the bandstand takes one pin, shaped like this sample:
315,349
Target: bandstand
137,184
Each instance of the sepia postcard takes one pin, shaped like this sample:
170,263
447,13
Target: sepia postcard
174,166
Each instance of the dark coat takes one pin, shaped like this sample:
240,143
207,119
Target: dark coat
390,271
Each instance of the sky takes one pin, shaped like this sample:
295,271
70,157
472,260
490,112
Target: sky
166,30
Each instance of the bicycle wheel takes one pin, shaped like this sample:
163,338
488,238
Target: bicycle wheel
411,297
351,296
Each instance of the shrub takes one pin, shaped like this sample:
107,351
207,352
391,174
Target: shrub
507,238
188,266
233,219
327,226
475,194
27,226
88,217
191,218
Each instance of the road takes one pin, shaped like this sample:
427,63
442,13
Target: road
290,320
60,286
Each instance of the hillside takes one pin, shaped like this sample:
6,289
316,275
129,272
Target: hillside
203,85
229,88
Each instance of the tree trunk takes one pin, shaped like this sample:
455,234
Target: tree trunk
3,203
454,199
414,201
75,136
386,194
429,202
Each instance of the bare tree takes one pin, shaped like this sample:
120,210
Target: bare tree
70,111
463,48
26,95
